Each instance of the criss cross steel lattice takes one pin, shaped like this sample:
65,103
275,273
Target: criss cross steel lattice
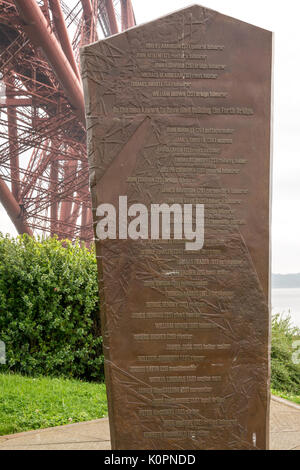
43,163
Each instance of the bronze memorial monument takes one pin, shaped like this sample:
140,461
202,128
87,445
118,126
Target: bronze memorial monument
179,112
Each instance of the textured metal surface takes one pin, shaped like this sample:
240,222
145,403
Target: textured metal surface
178,110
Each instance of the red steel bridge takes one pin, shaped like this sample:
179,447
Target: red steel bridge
43,162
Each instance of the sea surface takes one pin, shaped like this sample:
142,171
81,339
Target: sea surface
287,301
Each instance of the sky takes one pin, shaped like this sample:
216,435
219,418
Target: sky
283,19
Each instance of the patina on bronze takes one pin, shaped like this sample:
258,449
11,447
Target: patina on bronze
179,111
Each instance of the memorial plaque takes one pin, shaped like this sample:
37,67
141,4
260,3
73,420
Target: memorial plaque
178,112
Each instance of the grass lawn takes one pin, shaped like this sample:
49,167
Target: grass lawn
287,396
27,403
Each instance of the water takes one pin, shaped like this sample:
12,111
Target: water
287,301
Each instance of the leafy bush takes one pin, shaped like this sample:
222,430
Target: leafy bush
49,308
285,373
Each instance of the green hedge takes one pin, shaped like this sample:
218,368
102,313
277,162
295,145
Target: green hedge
285,372
49,308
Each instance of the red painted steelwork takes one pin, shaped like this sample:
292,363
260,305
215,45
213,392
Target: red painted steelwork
127,14
90,23
63,35
43,163
13,209
112,17
36,27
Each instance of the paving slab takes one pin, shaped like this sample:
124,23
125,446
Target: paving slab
91,435
285,425
94,435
